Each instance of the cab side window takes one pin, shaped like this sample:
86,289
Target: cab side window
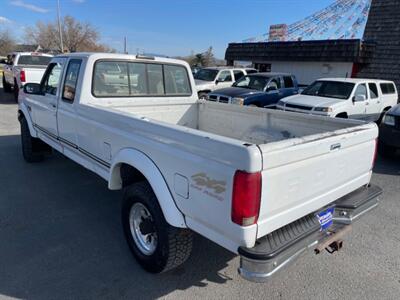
288,80
361,91
51,79
225,76
373,90
274,84
71,80
238,74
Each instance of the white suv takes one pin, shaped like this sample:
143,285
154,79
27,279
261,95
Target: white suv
210,79
364,99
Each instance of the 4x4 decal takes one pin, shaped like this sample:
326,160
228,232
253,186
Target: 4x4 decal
202,180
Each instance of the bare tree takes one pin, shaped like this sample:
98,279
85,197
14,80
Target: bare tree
209,59
7,42
77,36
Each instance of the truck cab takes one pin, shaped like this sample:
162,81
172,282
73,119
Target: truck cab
212,78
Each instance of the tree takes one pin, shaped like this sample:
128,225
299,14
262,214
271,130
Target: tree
7,42
77,36
209,59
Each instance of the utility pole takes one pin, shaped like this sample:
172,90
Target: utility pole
59,27
125,42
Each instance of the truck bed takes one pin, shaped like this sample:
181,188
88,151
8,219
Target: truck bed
306,162
247,124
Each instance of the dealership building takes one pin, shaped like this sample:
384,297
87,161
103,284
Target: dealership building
297,49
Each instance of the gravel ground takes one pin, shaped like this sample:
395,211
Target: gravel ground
61,238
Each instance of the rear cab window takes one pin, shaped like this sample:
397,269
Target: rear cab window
33,60
238,74
373,90
288,81
71,80
139,79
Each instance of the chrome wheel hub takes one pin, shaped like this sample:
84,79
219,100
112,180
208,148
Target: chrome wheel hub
142,229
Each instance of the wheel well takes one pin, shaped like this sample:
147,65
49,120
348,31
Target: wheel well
130,175
342,115
203,92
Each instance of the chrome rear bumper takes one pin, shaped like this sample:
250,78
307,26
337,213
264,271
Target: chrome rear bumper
283,246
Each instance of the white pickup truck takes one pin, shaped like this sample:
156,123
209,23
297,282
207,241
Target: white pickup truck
264,184
363,99
23,67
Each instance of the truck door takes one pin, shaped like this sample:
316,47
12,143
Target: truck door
274,90
44,107
289,88
66,113
373,108
224,79
360,100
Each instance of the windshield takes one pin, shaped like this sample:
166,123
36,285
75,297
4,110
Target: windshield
34,60
252,82
206,74
330,89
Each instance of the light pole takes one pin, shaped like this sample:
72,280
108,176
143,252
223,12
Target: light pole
59,27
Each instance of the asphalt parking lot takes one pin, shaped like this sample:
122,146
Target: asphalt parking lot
61,238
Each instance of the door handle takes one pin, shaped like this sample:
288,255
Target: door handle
53,104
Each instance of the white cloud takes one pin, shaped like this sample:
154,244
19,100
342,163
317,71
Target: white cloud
4,20
28,6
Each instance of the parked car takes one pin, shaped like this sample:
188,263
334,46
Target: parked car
23,67
264,184
364,99
210,79
260,89
389,137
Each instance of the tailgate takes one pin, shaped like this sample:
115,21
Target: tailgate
34,75
303,175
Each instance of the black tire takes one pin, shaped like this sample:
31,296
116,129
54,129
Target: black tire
386,151
203,95
32,148
6,86
16,91
173,245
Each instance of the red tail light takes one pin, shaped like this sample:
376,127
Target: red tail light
246,198
22,76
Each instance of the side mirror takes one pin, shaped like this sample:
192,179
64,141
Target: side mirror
359,98
218,81
32,89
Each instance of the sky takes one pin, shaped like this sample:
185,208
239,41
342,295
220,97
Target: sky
167,27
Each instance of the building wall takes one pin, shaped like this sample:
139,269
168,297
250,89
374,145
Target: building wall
383,29
307,72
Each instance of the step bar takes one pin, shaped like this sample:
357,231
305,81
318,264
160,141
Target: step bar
280,248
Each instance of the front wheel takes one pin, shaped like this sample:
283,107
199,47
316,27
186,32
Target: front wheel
157,246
